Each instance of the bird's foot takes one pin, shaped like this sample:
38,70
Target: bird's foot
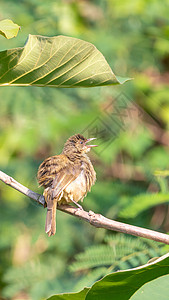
77,204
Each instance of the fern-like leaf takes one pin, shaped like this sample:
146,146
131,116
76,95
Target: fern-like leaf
141,202
119,252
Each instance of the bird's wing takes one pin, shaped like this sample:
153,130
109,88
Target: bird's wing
57,172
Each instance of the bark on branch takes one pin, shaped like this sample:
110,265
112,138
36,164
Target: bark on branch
96,220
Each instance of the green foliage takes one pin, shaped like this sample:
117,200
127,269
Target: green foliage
131,123
56,62
74,296
164,173
125,285
119,252
8,29
135,205
153,288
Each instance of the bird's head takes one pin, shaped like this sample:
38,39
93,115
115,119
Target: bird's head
78,144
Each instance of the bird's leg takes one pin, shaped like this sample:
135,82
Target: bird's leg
78,205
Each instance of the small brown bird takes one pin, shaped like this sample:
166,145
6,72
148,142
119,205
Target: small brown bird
66,177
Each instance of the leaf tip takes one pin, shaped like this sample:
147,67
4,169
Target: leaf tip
122,80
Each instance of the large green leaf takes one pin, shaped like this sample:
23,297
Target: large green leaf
56,62
72,296
123,284
8,29
156,289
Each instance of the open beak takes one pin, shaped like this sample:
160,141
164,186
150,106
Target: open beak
89,140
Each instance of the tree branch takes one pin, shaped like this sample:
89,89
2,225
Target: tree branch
96,220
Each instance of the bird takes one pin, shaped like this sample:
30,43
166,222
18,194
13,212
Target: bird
67,177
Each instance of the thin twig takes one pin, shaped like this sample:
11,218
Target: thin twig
21,188
96,220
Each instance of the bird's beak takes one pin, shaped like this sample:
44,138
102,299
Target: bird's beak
89,140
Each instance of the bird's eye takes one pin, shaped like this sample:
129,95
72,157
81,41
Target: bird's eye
81,142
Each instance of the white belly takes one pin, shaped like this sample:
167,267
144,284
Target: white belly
76,190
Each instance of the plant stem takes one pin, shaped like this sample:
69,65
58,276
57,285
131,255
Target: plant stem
96,220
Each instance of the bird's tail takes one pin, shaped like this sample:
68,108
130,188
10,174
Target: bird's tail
50,226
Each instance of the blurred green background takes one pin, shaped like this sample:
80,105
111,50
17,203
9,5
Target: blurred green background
131,123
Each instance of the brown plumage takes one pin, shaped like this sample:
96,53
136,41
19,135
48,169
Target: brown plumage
66,177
